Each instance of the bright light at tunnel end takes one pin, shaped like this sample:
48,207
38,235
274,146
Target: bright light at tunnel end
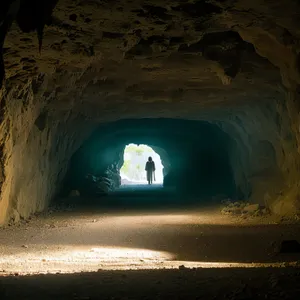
135,158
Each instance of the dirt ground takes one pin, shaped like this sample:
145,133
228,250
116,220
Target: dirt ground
130,252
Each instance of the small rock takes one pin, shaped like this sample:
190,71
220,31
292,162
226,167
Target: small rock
15,216
182,267
24,246
251,208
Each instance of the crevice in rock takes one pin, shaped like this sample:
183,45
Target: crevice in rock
41,121
197,9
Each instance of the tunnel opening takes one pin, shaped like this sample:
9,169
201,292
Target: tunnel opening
195,159
133,170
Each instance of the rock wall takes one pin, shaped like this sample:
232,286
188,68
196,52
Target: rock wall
256,151
36,150
38,143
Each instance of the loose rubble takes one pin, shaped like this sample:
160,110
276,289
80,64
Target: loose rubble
244,209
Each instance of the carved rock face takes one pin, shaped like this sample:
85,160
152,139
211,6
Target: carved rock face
231,63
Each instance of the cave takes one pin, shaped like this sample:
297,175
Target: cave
213,87
199,158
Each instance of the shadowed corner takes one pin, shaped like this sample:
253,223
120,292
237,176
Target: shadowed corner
135,284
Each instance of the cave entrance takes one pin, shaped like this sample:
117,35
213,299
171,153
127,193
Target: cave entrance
133,170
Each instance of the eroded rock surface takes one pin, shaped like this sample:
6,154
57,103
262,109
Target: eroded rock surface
232,63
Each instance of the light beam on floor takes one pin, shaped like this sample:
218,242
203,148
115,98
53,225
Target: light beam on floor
96,258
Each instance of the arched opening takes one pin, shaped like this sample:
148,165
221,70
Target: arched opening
193,158
133,171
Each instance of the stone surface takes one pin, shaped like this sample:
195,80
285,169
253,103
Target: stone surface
243,209
231,63
15,217
251,208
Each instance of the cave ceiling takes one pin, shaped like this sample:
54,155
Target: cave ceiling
122,57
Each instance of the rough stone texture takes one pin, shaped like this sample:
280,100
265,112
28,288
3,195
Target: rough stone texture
36,149
232,63
243,209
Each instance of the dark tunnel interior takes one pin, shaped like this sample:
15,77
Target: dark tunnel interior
195,155
212,87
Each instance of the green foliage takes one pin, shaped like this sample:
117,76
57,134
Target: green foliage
125,167
135,149
139,152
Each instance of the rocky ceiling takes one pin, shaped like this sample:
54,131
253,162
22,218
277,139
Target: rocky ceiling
70,64
110,53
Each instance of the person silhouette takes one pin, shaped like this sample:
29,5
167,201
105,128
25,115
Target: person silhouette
150,169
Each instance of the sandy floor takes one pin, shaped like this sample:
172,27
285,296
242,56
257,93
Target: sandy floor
156,254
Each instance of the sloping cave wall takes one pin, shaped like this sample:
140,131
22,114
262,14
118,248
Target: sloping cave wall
36,146
231,63
269,155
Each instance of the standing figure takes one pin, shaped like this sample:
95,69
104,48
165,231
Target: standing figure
150,169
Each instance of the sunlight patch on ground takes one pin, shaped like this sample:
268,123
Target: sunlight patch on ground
95,242
97,258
